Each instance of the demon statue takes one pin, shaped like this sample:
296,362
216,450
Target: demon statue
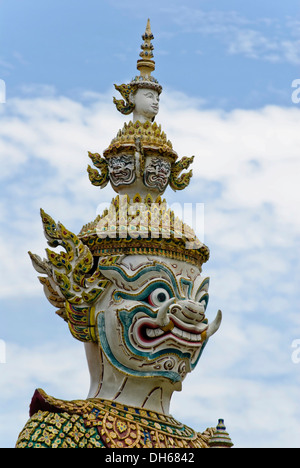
130,287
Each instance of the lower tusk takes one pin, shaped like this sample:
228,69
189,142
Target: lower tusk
214,326
162,319
203,336
168,327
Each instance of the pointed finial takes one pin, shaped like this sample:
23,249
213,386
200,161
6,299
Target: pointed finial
148,29
146,65
221,438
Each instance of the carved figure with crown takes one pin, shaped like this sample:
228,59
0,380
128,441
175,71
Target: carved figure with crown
130,287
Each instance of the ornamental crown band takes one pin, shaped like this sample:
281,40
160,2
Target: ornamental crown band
144,227
150,135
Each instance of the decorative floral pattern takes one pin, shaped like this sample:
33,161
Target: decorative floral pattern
58,430
106,424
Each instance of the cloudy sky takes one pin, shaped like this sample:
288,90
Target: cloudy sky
230,73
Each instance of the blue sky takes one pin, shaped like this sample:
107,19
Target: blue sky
227,70
239,54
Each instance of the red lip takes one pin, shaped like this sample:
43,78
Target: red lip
149,333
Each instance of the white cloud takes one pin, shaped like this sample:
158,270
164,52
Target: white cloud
247,377
58,367
256,413
264,38
254,155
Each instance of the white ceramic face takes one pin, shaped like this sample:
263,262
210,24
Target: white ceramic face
121,169
157,173
146,103
152,320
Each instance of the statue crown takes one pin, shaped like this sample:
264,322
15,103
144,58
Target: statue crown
146,66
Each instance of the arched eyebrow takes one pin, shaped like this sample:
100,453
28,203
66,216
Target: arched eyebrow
157,267
148,93
144,293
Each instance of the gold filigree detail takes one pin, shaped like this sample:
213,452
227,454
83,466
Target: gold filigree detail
104,423
143,226
125,107
149,135
145,65
98,179
177,181
70,283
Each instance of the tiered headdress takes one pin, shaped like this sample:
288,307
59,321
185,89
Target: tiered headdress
146,66
139,163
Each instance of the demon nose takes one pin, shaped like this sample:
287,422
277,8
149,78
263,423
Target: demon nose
188,311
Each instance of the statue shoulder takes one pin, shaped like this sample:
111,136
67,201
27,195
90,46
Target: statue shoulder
57,423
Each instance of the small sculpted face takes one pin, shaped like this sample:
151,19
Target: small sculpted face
121,169
152,323
157,173
146,104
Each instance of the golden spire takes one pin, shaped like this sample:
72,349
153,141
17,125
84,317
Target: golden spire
146,65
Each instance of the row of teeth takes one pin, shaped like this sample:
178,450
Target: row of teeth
155,332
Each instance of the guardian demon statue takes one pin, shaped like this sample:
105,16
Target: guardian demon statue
130,287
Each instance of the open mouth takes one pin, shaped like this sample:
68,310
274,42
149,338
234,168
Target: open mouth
150,334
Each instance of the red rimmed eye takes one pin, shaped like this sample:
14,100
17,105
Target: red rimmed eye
158,297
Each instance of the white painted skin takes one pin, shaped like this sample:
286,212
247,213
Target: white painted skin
146,104
131,375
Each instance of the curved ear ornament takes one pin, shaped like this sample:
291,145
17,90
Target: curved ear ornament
98,179
70,282
125,107
177,181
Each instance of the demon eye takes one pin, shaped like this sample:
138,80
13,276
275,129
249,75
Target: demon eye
158,297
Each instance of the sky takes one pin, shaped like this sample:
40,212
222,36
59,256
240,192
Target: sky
230,73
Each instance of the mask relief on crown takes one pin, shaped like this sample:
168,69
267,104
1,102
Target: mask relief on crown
142,159
157,173
121,170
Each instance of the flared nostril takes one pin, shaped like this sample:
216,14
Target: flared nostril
188,311
175,308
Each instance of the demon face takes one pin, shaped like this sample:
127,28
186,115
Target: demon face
152,319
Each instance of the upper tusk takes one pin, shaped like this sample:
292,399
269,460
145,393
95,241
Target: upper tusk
214,326
162,319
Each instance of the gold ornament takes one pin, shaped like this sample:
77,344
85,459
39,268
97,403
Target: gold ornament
145,65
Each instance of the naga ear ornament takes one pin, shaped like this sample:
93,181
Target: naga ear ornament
125,107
